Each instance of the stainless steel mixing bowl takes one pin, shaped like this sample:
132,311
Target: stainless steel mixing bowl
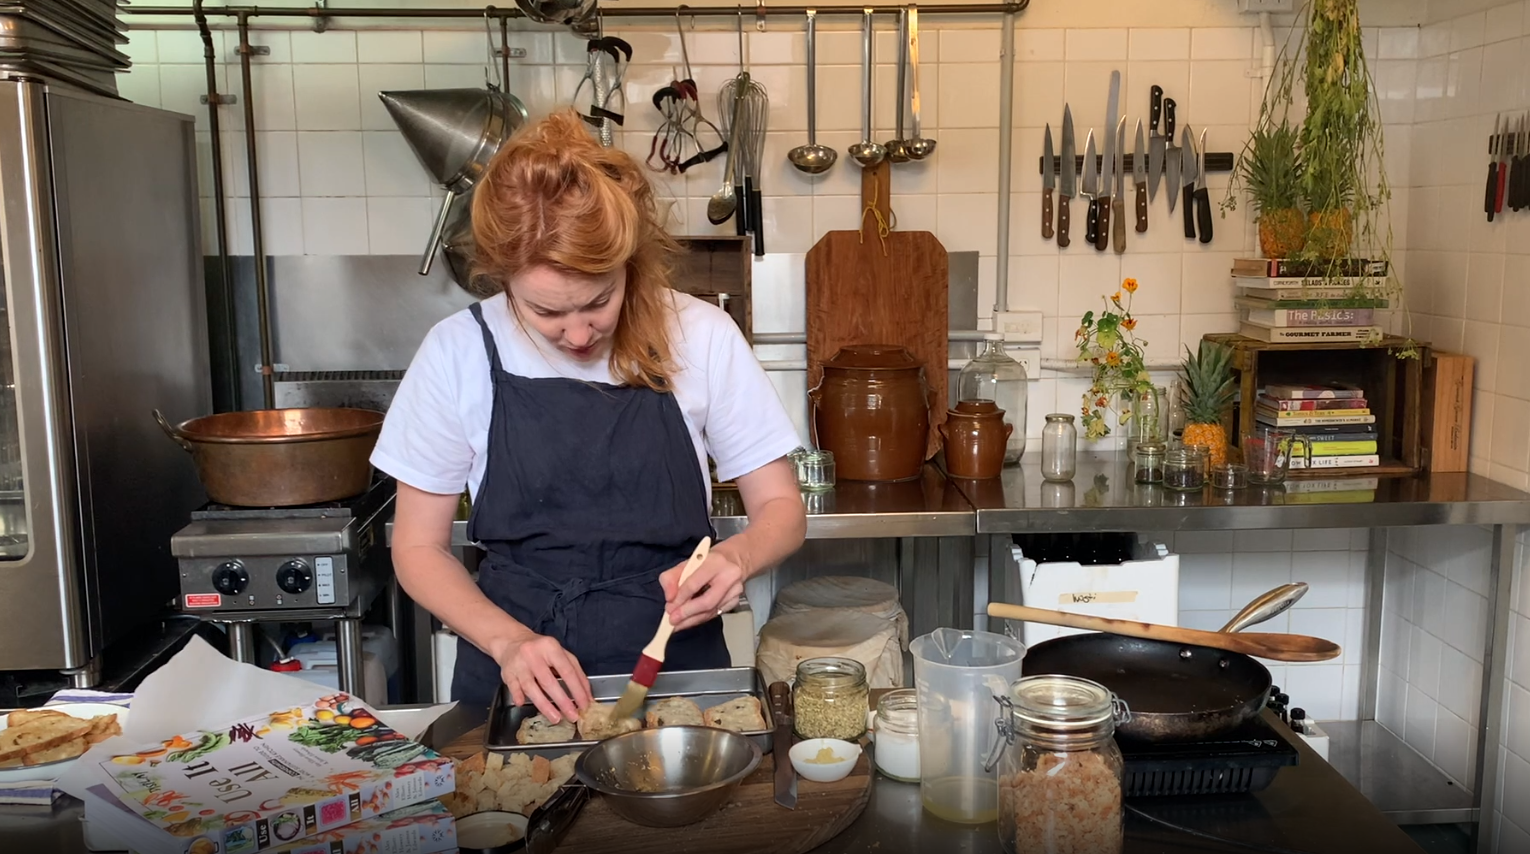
670,776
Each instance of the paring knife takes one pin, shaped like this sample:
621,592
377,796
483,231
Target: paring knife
1112,111
1187,166
1155,144
1048,182
1202,195
1140,180
1069,180
781,745
1170,154
1118,197
1091,192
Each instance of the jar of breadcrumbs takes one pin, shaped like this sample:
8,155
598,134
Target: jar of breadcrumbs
1060,770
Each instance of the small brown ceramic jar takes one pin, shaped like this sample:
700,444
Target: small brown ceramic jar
872,411
975,435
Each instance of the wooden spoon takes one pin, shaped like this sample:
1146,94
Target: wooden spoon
1277,647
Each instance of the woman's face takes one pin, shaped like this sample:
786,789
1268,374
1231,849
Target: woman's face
576,314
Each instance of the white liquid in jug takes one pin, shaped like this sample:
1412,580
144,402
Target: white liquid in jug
965,800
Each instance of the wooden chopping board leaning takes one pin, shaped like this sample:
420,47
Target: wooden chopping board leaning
878,285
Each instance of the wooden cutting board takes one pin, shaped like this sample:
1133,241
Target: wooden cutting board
867,287
749,823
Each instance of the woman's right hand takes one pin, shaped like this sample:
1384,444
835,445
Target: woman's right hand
531,666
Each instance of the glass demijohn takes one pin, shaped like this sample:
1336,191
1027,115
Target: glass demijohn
993,375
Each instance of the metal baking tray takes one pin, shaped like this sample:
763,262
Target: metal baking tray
706,687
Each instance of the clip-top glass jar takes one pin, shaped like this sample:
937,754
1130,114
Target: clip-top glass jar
1060,772
1059,448
830,699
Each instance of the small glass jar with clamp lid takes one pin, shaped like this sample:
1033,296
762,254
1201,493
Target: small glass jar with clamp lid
1060,771
830,699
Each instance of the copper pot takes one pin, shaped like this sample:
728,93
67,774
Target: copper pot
280,457
872,410
975,435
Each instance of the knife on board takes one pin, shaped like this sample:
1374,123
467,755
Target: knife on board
1048,182
1091,191
1170,154
1140,181
1118,198
781,744
1202,195
1155,143
1112,110
1187,166
1068,183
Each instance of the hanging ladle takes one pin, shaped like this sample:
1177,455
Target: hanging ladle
917,146
866,152
897,147
812,158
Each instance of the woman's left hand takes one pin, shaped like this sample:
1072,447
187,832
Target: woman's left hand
713,589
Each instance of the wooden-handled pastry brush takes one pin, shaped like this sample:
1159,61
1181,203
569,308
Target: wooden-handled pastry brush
652,659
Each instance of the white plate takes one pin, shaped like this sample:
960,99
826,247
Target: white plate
53,770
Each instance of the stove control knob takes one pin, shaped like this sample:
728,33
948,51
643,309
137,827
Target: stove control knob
230,579
294,576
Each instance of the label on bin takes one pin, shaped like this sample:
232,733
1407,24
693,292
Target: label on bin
1112,597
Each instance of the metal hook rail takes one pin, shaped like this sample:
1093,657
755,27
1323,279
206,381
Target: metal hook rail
760,11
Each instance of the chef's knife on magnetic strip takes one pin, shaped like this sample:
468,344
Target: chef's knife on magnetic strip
1171,158
781,744
1068,181
1140,180
1108,161
1118,196
1155,144
1187,164
652,659
1048,182
1202,195
1091,192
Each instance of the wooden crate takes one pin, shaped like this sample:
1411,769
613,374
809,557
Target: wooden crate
1448,411
1393,387
717,269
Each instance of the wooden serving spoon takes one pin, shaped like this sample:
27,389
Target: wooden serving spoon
1277,647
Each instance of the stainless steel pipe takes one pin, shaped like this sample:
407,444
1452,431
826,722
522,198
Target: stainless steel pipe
257,240
220,216
759,10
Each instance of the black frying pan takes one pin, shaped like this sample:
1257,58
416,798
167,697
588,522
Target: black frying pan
1175,692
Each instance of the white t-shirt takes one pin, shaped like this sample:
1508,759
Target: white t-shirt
436,434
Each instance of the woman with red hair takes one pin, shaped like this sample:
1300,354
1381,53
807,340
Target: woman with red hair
580,406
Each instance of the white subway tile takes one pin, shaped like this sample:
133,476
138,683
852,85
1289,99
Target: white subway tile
1159,43
787,110
1203,542
1087,277
389,46
721,48
1353,690
335,226
1033,284
1516,790
1482,344
1327,575
535,85
1321,539
776,47
1159,289
1090,45
1204,621
281,225
1467,31
1511,837
1467,619
538,47
788,224
392,169
1025,230
1451,743
1255,573
1219,95
1328,623
1504,22
456,47
1516,724
142,47
1434,39
1429,602
1193,327
966,161
278,45
962,46
1273,540
1205,582
278,161
835,213
1424,652
1391,702
1418,729
1395,636
330,46
1395,82
140,85
180,46
967,222
919,212
328,97
375,79
1397,43
1086,86
1039,45
1355,642
1039,98
446,76
968,96
839,98
331,164
777,175
1222,43
1510,442
1318,690
1463,83
1460,684
180,87
394,224
1502,77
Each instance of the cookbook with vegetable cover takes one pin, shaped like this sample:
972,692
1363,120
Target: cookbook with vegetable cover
265,782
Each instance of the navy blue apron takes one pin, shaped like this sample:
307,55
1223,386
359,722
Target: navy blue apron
590,492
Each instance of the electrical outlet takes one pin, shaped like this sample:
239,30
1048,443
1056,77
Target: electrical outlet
1030,359
1018,327
1272,6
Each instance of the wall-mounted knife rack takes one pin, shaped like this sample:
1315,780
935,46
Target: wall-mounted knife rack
1216,161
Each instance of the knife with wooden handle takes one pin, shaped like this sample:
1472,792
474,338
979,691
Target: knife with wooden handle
1108,162
1048,181
1091,191
1118,198
781,745
1067,180
1140,180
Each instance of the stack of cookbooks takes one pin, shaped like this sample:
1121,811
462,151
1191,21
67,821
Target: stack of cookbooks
1284,301
1335,418
325,777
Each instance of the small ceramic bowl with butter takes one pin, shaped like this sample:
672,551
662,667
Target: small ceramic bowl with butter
824,760
491,832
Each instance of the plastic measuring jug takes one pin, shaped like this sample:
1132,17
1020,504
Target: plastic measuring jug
957,674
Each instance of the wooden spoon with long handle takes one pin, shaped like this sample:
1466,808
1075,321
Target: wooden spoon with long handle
1277,647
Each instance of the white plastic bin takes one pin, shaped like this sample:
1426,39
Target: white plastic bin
1145,588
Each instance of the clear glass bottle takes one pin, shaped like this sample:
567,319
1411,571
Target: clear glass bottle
830,699
993,375
1176,409
1059,447
1060,772
895,743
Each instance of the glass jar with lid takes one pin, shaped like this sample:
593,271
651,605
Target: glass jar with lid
1147,459
1059,448
994,376
815,469
830,699
895,740
1184,469
1060,771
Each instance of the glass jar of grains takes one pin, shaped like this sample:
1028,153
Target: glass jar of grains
1060,771
830,699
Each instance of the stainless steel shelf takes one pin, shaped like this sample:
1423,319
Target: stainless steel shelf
1394,777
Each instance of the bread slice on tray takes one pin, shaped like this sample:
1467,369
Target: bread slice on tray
674,711
740,715
595,723
41,734
25,716
539,730
67,750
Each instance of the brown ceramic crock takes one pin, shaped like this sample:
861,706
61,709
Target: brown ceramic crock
975,435
872,410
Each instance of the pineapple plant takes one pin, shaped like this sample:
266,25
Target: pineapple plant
1207,392
1272,172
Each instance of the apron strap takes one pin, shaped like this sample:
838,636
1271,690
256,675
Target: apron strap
488,337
